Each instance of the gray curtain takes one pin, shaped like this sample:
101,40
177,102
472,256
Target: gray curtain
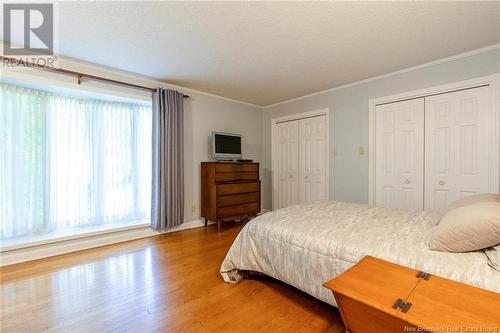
167,199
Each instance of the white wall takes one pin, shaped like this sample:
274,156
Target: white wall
204,113
349,119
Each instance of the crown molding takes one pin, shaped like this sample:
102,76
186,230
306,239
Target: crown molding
401,71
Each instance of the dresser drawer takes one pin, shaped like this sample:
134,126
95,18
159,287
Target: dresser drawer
235,167
235,199
238,210
237,188
232,176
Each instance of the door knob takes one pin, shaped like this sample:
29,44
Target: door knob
442,182
407,181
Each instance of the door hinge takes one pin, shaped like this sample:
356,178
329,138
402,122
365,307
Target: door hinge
400,304
424,275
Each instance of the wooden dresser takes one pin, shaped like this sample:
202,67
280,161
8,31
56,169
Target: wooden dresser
378,296
229,191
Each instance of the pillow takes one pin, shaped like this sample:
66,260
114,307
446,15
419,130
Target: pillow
468,228
493,254
483,197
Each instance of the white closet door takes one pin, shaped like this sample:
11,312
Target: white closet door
400,154
457,144
312,169
287,169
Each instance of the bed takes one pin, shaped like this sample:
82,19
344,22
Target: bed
306,245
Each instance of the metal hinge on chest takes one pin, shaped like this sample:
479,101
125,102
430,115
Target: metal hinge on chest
424,275
400,304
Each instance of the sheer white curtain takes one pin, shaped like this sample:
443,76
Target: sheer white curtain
68,162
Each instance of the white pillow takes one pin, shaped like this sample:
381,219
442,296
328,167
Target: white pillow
468,228
493,254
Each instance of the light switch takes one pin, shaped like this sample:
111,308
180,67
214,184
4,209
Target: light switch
335,152
361,151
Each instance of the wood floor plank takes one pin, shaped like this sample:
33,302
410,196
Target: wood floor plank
167,283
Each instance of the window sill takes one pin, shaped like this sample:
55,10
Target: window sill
71,234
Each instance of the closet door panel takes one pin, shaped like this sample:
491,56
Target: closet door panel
399,154
287,170
312,163
457,146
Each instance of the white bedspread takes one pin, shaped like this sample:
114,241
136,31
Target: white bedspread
306,245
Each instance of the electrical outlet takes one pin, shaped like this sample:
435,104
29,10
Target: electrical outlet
361,151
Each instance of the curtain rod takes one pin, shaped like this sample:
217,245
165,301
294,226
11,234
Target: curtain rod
79,75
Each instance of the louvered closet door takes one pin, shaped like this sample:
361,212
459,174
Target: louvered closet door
312,164
287,169
400,154
457,143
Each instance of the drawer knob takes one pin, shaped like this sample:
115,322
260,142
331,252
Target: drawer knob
407,181
442,182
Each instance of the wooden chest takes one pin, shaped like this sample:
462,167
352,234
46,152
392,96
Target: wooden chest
229,191
378,296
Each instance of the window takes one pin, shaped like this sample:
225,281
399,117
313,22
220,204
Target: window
70,162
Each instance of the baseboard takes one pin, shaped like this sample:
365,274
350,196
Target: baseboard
17,256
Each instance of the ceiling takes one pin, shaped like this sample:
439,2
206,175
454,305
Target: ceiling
266,52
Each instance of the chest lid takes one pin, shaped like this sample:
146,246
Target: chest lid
377,283
439,302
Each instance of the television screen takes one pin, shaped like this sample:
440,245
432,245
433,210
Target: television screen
227,144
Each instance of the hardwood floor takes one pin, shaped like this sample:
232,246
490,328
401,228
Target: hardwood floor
167,283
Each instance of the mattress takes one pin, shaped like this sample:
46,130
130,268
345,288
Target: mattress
307,245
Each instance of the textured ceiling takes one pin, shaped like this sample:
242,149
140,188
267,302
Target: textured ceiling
266,52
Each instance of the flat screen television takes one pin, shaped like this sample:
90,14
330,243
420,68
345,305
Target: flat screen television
226,146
